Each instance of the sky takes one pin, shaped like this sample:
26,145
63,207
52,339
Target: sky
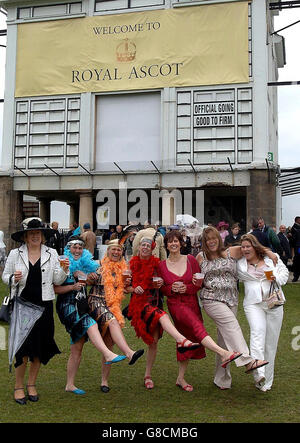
288,113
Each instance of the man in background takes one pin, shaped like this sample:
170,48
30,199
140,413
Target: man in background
273,239
295,242
285,244
56,240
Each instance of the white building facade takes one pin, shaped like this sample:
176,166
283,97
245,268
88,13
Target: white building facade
149,108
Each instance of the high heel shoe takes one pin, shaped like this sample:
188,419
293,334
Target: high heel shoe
32,398
20,401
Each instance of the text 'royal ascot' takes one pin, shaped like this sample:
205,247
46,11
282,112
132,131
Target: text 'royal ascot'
139,72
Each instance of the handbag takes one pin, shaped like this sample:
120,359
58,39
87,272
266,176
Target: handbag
7,305
275,297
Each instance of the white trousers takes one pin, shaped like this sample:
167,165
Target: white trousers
265,325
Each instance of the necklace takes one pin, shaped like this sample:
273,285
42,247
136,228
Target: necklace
255,264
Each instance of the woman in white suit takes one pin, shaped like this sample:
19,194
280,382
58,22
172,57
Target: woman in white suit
265,323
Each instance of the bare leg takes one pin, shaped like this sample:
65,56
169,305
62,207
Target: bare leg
97,341
151,356
180,379
119,339
105,371
73,364
32,376
19,383
168,326
210,344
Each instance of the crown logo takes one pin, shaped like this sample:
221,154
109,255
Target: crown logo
126,51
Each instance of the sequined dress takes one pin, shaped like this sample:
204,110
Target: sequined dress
98,309
220,281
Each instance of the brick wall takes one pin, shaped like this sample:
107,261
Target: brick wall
261,197
11,208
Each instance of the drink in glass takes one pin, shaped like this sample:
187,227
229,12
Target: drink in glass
199,277
126,274
156,282
82,277
269,274
62,260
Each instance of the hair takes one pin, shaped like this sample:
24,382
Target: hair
235,225
215,232
258,247
171,235
254,223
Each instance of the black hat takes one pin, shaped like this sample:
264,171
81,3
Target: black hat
31,224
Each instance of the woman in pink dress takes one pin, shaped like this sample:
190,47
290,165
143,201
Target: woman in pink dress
222,227
177,272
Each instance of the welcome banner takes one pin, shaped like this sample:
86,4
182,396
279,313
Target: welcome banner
190,46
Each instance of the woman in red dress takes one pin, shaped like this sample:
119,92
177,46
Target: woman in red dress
145,311
177,272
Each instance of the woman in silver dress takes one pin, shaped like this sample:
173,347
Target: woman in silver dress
219,298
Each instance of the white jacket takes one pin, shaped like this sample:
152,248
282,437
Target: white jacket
52,273
255,288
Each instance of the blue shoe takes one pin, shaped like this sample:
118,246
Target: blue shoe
78,392
116,359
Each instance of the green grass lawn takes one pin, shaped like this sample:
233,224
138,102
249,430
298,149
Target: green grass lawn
129,402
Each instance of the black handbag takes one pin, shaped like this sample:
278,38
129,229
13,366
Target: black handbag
7,305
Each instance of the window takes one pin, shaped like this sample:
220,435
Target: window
47,132
112,5
128,131
49,10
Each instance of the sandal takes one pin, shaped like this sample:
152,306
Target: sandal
182,349
256,365
187,387
233,356
148,382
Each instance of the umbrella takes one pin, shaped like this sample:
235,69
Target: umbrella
185,219
23,318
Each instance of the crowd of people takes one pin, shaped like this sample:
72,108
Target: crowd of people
194,268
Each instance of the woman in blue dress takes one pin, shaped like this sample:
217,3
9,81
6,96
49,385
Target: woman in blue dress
80,325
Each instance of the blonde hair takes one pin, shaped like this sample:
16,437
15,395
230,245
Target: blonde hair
215,233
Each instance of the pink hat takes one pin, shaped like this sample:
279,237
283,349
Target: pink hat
222,224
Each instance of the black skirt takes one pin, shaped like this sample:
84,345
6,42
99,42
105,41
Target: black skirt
40,342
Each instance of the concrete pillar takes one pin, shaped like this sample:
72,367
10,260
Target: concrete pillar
11,210
261,197
73,213
168,210
86,209
45,205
